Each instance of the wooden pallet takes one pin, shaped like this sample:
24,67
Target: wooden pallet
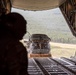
40,55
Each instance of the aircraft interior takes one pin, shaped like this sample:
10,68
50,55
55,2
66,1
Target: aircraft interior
41,61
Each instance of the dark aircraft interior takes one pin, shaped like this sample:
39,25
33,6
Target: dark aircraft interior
46,64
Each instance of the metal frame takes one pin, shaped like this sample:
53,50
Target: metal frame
68,9
6,6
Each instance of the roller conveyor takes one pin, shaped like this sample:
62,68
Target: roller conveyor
69,60
50,66
69,67
33,69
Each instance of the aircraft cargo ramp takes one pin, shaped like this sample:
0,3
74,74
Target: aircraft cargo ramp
52,66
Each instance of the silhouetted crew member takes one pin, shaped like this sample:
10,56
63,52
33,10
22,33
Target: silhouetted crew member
13,55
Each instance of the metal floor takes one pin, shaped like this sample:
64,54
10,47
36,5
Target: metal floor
52,66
